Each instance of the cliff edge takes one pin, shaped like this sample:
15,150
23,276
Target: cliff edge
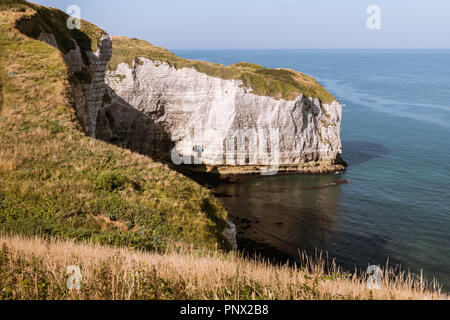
228,120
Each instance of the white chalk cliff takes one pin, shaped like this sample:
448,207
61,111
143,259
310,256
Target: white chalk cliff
88,78
220,123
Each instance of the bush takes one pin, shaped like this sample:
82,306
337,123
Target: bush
111,181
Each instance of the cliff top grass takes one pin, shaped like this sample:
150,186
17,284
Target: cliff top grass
276,83
56,181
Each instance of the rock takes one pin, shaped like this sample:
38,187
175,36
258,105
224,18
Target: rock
161,109
88,81
230,234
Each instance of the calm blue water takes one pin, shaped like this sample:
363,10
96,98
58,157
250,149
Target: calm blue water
396,139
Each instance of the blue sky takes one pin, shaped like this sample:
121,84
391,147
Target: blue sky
244,24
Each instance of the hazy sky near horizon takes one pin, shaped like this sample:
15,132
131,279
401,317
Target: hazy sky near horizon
245,24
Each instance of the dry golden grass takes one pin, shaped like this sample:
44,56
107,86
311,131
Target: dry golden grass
36,269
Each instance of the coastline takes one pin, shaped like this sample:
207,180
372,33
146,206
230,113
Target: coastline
205,174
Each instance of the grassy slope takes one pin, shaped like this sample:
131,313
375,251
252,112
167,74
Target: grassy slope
36,269
276,83
56,181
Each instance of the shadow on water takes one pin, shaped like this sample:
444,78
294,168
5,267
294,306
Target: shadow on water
278,217
283,213
359,152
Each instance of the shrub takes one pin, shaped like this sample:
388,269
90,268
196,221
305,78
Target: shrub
111,181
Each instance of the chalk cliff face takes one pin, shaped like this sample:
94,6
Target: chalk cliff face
87,80
218,125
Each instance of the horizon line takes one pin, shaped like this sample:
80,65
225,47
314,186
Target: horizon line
304,48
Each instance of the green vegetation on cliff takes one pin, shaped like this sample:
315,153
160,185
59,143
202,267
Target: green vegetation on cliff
36,19
56,181
277,83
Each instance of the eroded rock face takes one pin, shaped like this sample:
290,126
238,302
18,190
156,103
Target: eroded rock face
87,78
217,124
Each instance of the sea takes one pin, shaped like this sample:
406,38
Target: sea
396,140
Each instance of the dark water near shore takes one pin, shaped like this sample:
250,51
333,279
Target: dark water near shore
396,140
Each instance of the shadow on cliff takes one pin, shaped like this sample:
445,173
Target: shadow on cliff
121,124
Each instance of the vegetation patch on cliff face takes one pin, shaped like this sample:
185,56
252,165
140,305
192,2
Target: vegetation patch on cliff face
56,181
276,83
